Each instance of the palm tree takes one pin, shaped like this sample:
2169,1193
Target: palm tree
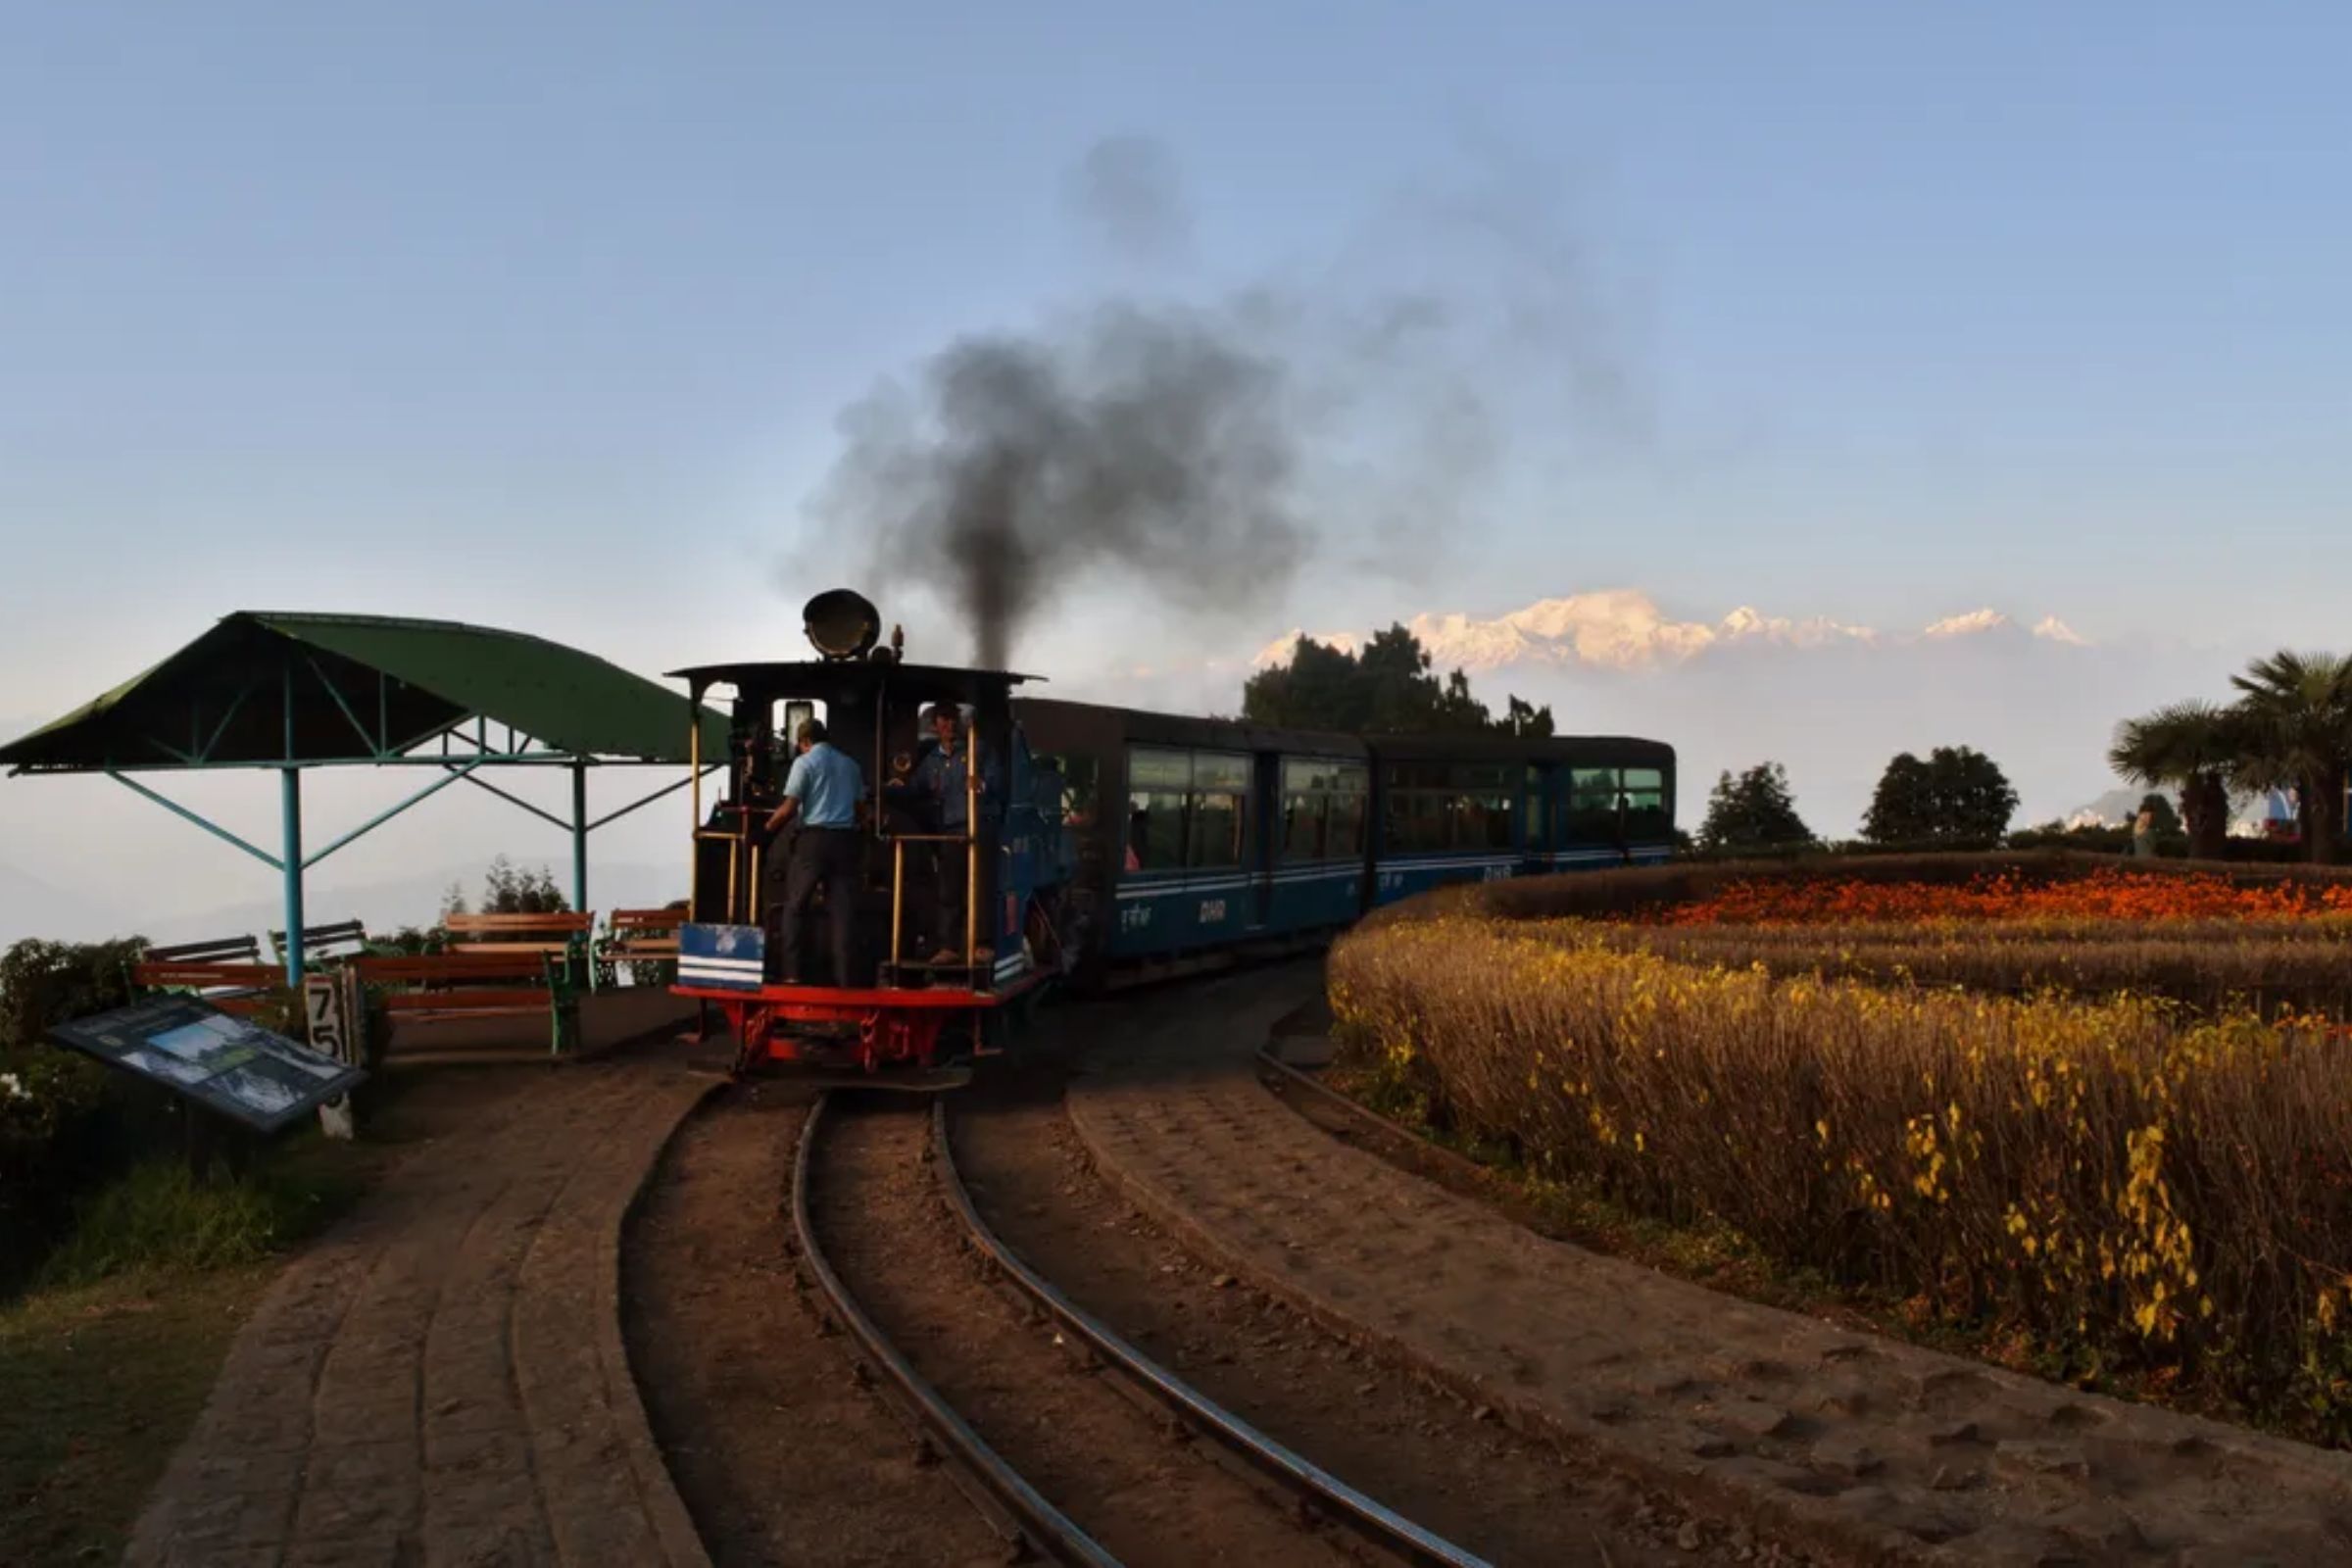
2297,709
2192,747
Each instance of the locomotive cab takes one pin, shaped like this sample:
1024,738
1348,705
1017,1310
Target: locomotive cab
956,868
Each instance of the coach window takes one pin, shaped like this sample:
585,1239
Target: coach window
1220,806
1592,805
1344,812
1157,782
1531,839
1306,800
1078,787
1498,820
1646,803
1482,808
1496,807
1419,817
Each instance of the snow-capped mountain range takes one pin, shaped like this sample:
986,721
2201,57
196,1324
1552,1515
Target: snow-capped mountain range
1623,628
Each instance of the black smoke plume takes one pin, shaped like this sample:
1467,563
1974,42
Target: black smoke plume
1150,442
1205,452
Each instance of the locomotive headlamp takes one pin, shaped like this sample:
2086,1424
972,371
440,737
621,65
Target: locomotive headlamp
842,624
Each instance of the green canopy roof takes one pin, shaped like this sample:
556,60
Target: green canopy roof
269,688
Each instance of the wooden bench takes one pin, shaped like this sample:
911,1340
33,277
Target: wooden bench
226,971
320,943
506,934
641,936
219,949
517,983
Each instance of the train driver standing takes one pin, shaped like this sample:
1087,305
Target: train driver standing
824,790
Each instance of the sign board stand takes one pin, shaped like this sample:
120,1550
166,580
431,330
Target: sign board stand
210,1140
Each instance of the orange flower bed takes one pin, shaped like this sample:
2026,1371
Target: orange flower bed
2100,896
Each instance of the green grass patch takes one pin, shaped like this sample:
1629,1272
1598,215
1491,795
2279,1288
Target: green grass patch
106,1361
159,1218
98,1384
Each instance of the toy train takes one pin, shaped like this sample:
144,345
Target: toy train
1097,845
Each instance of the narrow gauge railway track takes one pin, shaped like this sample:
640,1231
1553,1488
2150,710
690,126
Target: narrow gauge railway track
1143,1494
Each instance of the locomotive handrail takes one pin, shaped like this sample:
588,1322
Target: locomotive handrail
972,766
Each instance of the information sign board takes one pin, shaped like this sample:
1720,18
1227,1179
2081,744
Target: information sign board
229,1066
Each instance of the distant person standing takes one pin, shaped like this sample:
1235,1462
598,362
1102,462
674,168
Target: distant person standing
823,792
2144,833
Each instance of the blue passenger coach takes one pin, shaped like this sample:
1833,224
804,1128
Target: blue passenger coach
1452,808
1193,834
1191,838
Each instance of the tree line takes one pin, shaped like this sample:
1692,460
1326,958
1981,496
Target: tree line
2290,728
508,889
1390,688
1953,797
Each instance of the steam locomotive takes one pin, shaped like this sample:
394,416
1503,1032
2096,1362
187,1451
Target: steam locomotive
1098,845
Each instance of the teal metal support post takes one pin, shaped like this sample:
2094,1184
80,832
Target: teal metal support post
579,870
579,837
290,791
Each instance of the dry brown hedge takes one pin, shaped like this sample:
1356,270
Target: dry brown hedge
2119,1184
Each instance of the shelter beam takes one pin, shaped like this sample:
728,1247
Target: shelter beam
549,818
388,815
186,815
372,742
648,800
428,759
236,703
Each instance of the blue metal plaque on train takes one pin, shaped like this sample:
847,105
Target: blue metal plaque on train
226,1064
731,955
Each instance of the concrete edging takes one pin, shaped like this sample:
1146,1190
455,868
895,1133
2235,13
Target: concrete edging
657,1487
1820,1531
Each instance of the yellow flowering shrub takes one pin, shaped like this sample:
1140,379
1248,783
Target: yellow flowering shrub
2128,1183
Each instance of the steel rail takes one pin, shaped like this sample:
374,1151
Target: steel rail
1439,1152
1011,1499
1374,1521
1305,1080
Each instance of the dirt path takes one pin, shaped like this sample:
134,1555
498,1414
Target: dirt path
1150,1497
1863,1445
1432,1457
781,1457
441,1379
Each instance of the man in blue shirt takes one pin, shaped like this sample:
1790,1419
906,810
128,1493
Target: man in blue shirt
826,792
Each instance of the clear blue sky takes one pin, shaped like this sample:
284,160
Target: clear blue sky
383,301
535,314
